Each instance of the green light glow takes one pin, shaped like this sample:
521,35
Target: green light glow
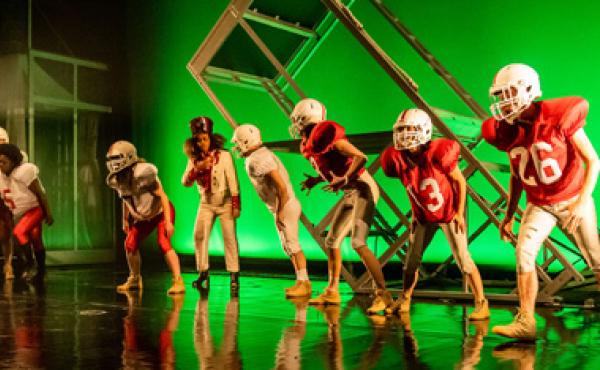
358,95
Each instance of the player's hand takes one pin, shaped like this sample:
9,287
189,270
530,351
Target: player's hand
49,219
125,226
459,223
576,212
235,212
506,229
336,182
169,229
309,183
204,163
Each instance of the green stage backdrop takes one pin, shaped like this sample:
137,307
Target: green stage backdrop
473,39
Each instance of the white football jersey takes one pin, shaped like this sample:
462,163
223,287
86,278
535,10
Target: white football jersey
258,164
138,194
15,189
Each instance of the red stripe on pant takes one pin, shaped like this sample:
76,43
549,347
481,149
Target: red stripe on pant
29,228
141,229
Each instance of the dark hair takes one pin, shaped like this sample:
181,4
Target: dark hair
191,149
12,152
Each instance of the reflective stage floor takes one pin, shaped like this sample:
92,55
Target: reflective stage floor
77,320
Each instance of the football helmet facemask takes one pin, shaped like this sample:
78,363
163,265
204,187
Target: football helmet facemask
307,112
513,90
412,128
120,155
246,137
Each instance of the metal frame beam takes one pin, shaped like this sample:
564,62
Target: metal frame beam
235,14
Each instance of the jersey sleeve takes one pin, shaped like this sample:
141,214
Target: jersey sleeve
26,173
390,162
146,176
499,134
446,154
260,166
325,135
573,119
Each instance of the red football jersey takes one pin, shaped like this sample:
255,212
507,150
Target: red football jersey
542,154
427,179
319,149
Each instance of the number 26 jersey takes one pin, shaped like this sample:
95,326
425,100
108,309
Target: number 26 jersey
542,155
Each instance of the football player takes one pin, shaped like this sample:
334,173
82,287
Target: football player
145,208
272,183
325,145
437,192
24,195
552,159
211,167
6,226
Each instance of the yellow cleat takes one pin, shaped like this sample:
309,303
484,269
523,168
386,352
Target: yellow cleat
522,328
132,283
178,287
301,289
383,299
327,297
481,311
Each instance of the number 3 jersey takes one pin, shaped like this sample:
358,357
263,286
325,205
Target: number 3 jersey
427,179
543,154
15,189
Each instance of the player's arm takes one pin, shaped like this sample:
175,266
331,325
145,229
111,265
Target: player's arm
515,188
282,195
232,183
166,206
358,161
189,175
125,213
592,166
36,188
461,185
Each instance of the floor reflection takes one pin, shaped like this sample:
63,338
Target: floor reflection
227,355
76,320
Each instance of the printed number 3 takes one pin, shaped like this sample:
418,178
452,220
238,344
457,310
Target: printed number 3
434,194
7,200
540,165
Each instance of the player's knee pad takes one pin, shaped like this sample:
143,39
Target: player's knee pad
357,243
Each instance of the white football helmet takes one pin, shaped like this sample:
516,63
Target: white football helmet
120,155
245,137
412,128
307,112
514,88
4,136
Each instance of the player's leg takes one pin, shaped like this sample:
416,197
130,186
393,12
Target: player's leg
420,238
340,227
291,246
459,247
164,242
230,243
205,220
586,237
536,225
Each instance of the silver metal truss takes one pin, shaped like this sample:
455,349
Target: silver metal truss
394,232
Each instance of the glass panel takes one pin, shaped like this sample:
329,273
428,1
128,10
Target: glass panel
53,154
95,209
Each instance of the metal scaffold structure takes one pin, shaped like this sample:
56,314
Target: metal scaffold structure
222,58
